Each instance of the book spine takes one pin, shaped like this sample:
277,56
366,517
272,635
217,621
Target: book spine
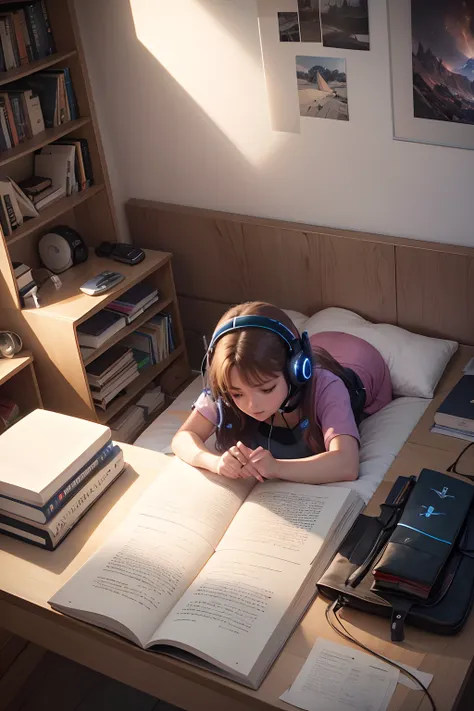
20,39
47,26
33,30
11,31
76,508
10,212
16,110
5,125
65,521
6,229
63,496
3,67
11,121
6,44
71,96
28,533
26,36
5,143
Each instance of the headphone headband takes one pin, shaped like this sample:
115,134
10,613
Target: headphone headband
267,324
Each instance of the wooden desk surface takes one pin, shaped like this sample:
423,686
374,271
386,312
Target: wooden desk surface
29,576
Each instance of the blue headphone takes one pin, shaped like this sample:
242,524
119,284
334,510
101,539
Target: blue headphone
299,365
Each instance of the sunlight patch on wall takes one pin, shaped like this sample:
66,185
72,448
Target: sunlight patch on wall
212,67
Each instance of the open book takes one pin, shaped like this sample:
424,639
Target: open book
214,570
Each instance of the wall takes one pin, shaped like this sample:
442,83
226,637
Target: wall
182,106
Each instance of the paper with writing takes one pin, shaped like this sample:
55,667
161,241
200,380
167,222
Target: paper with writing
340,678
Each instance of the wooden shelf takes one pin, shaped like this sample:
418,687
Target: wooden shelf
36,66
137,386
116,338
41,140
71,304
52,212
11,366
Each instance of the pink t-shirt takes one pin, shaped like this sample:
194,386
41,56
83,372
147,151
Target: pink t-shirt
331,398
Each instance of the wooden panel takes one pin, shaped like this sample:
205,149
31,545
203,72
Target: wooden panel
435,293
227,258
208,255
199,319
359,276
282,267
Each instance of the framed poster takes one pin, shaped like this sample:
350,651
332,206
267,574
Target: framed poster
432,68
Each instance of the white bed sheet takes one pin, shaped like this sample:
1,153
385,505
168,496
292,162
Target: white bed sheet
382,435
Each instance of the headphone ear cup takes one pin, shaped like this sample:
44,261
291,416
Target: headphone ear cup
300,366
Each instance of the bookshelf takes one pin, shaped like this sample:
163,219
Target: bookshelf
50,331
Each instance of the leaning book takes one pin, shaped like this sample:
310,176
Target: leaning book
212,570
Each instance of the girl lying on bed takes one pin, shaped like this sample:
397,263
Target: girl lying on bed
283,406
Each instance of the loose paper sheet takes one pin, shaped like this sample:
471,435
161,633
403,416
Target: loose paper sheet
339,678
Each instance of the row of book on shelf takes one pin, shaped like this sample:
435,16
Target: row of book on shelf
60,169
30,105
110,373
25,35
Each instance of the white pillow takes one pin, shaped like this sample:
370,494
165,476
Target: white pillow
415,362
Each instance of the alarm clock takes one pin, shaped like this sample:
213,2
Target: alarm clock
62,248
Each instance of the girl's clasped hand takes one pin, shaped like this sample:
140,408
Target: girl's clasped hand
241,462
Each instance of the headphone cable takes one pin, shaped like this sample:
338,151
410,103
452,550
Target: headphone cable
270,434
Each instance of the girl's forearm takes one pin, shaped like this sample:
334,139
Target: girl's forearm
324,468
192,450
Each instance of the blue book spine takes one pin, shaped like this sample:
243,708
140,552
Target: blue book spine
71,97
63,496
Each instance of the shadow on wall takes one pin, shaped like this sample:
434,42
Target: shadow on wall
198,43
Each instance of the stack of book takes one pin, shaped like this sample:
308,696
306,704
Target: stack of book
455,416
110,373
99,328
54,467
25,35
126,426
134,301
25,282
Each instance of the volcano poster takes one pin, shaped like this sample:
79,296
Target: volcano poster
443,60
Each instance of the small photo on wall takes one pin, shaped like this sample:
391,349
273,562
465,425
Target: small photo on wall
322,87
289,26
310,22
443,60
345,24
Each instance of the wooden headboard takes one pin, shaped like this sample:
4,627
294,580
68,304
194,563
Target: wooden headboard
222,259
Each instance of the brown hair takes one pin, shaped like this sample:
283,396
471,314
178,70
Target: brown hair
259,354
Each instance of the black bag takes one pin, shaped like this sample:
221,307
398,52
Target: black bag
446,609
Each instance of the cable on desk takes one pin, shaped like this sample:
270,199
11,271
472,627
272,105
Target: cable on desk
345,634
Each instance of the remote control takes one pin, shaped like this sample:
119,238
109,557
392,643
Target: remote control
101,282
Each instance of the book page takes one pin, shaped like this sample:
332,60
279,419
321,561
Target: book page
286,521
203,502
232,608
136,578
